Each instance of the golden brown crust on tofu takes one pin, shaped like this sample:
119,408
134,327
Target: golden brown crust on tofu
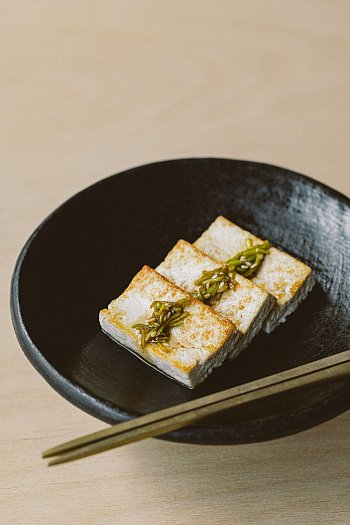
194,348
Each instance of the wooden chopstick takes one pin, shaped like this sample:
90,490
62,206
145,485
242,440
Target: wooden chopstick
166,420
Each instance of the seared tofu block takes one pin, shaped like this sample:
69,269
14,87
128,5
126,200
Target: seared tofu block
286,278
200,343
244,303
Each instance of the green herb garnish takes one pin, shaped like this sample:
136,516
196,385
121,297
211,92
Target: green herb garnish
212,284
166,315
248,261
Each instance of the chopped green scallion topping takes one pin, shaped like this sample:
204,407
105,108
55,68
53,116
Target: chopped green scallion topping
247,262
166,315
212,284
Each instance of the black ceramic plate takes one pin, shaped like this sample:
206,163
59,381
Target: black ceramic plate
88,250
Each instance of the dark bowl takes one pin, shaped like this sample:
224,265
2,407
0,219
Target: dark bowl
87,251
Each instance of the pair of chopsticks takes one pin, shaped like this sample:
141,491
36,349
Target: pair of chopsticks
166,420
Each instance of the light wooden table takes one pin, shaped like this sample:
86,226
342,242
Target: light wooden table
90,88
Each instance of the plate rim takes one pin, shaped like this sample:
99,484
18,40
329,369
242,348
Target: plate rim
110,413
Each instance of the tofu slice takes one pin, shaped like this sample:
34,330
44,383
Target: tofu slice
195,347
280,274
247,305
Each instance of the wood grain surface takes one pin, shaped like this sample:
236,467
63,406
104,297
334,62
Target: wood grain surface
90,88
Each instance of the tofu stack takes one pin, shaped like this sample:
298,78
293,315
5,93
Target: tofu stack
245,304
160,318
194,348
281,275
